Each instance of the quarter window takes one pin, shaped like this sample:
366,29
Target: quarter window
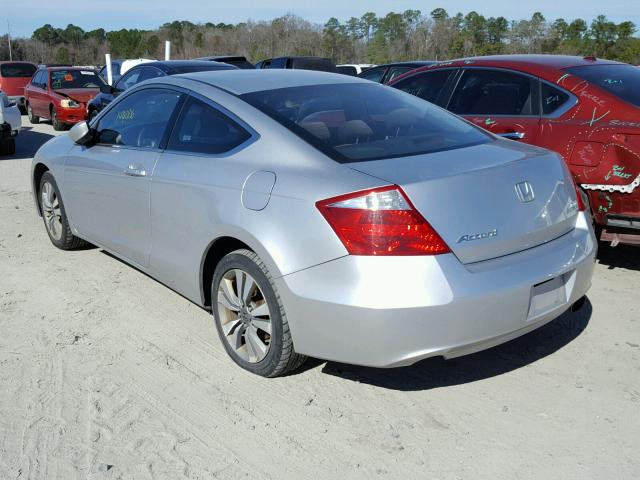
493,92
552,98
396,72
373,74
129,79
138,120
203,129
429,85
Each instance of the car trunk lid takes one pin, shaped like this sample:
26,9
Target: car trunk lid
13,86
488,200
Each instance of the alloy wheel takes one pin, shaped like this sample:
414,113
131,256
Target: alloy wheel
51,211
244,315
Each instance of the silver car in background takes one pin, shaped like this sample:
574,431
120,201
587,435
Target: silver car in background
322,215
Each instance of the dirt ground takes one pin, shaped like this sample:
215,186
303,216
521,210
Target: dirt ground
106,374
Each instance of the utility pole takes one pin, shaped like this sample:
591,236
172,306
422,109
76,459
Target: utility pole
9,39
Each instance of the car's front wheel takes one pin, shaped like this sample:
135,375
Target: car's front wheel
54,215
250,318
33,119
58,126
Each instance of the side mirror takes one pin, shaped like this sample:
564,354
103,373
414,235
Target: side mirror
81,133
106,88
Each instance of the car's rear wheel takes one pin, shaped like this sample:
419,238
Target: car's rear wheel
57,124
54,215
250,318
33,119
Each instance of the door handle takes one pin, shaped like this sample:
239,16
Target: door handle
512,135
135,171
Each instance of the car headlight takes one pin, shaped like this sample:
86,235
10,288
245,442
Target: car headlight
69,103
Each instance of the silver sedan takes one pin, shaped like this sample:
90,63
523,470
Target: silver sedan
321,215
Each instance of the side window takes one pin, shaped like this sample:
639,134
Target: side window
129,79
396,72
428,85
278,63
203,129
374,74
139,120
552,98
493,92
39,78
149,73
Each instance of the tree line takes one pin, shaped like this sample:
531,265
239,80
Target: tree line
408,35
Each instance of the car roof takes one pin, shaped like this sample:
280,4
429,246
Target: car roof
239,82
173,65
544,65
222,58
548,60
53,69
417,63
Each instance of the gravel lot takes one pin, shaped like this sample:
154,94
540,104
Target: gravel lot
106,374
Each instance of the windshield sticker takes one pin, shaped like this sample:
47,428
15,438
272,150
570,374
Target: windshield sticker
612,81
126,114
552,99
86,72
563,77
489,121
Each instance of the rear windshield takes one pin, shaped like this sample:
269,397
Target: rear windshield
319,64
621,80
355,122
61,79
14,70
240,63
347,70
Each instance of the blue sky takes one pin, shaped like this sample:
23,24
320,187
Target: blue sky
26,15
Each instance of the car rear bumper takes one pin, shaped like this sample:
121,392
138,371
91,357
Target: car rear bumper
394,311
19,99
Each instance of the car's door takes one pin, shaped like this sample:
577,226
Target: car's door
196,182
502,101
107,184
433,86
37,92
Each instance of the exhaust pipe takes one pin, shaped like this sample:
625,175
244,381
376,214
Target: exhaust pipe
578,304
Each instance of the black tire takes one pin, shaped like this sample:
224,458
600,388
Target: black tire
67,240
8,146
23,109
281,357
58,126
33,119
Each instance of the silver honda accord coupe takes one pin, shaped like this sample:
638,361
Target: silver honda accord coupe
321,215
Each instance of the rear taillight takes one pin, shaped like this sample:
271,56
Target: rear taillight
381,221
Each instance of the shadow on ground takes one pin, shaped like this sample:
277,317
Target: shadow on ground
27,143
436,372
622,256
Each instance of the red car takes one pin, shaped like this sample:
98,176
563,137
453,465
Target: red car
14,76
586,109
60,94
